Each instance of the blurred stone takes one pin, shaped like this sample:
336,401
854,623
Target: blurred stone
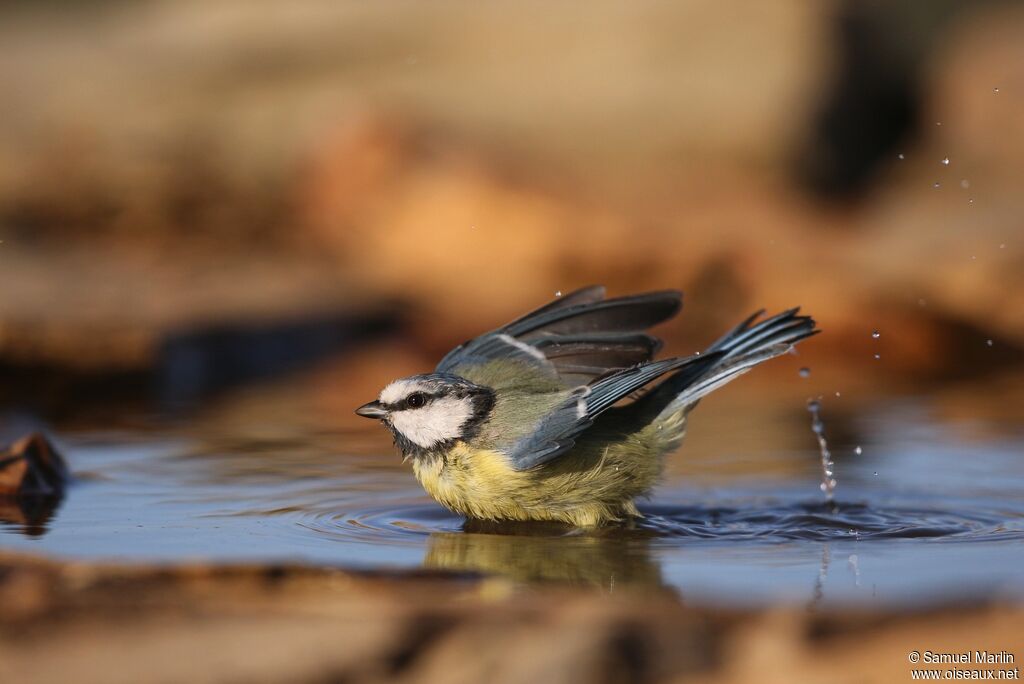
32,467
289,623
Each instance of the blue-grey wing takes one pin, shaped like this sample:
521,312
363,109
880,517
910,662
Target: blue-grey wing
743,347
556,432
575,338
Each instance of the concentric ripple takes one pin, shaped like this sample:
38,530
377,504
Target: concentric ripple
408,524
411,523
830,522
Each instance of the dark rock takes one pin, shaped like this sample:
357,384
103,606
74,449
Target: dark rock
32,467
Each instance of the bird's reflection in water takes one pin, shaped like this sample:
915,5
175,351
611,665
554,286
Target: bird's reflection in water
539,552
29,514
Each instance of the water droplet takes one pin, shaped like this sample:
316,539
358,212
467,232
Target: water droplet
805,372
965,184
558,293
970,201
945,161
901,155
857,450
938,123
875,473
828,483
878,356
837,394
875,334
995,90
989,342
936,184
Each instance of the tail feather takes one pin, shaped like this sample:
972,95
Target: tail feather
786,327
742,348
723,374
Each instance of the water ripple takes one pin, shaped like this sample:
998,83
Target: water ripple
775,523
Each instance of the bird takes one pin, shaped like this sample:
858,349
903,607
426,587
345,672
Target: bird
564,415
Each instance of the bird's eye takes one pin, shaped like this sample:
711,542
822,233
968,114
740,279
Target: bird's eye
416,399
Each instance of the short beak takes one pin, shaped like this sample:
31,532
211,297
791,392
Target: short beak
374,409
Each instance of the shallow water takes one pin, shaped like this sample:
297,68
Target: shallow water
928,511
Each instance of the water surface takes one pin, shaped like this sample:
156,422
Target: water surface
927,511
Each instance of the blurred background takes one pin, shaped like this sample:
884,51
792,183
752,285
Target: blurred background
198,198
224,224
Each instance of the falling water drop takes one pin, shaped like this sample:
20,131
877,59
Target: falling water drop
875,334
995,90
970,201
852,562
858,450
989,342
945,161
936,185
877,357
558,293
901,155
828,482
805,372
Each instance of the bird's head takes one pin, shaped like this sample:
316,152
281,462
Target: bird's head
429,413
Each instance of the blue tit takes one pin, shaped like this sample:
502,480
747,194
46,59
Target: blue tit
557,416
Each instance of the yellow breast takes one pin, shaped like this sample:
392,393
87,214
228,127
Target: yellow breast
480,483
474,482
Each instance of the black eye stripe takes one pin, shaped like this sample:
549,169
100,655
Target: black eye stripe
406,404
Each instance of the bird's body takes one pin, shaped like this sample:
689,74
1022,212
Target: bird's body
523,423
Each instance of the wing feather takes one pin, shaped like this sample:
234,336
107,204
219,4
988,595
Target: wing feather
556,433
577,337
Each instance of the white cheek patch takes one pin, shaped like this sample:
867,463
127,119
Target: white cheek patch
439,421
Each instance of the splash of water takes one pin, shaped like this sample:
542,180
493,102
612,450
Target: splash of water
828,481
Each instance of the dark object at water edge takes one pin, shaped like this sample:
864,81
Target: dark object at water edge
32,467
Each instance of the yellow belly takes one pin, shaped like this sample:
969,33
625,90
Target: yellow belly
576,489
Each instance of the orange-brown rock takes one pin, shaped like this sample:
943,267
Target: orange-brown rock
32,467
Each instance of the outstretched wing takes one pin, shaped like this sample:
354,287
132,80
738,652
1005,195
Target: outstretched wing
577,337
556,433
